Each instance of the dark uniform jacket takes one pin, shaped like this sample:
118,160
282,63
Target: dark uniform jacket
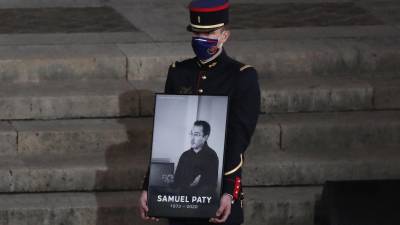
224,76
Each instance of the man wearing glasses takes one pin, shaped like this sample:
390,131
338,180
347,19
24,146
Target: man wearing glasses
197,169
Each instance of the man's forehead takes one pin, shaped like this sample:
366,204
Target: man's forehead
197,128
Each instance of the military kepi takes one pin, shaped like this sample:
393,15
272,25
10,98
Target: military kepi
208,15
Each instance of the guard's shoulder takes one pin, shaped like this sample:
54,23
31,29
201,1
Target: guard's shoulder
241,67
246,75
244,67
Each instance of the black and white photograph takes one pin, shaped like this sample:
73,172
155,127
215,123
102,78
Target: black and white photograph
187,155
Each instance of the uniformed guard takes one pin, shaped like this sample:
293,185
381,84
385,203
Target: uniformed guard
213,72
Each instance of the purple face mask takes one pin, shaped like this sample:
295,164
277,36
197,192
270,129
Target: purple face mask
204,48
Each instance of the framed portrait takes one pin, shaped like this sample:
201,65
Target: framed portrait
187,156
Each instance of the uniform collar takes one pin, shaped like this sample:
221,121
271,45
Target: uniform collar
213,63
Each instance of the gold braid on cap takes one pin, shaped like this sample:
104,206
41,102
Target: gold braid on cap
206,27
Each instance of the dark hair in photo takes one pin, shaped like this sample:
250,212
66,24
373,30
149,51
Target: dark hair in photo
205,125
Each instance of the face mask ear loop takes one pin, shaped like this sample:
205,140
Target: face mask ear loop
220,45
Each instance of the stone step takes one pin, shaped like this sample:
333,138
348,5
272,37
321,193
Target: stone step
312,168
307,95
279,58
150,61
315,95
8,139
118,98
73,172
281,205
323,132
386,93
263,206
61,62
70,208
292,132
46,3
81,38
124,171
68,99
103,136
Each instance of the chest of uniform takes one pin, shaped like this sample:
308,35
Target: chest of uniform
203,82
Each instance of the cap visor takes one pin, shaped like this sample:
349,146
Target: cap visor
201,30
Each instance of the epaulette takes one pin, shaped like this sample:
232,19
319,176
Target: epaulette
244,67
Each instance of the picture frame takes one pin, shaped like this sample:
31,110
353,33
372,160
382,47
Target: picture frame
187,155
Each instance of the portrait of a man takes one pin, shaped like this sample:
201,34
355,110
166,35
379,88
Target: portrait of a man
185,177
197,169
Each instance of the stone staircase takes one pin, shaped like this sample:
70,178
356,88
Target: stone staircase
75,139
76,122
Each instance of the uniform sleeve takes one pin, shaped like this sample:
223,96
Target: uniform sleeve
243,116
168,89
